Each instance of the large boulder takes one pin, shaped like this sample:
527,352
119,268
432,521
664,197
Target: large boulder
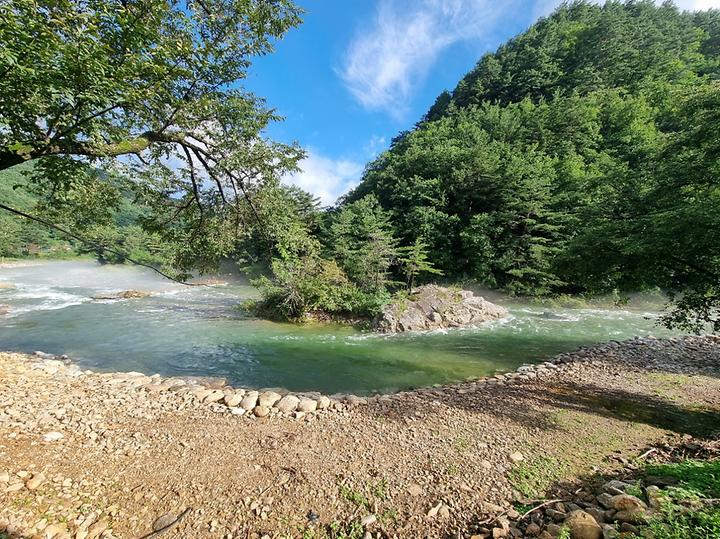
434,307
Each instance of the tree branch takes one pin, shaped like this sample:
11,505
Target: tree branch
91,243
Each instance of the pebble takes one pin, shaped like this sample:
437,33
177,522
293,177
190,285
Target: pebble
368,520
35,482
288,403
516,457
307,405
53,436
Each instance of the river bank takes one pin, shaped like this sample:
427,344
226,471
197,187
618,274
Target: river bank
89,456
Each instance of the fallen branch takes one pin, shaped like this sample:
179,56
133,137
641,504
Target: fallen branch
168,527
539,507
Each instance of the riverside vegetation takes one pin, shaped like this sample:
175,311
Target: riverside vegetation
541,173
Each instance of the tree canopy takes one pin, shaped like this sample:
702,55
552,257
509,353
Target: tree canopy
580,157
151,88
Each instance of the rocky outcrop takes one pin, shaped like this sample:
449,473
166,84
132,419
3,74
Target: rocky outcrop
434,307
125,294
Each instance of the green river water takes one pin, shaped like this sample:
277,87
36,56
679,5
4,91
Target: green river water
199,331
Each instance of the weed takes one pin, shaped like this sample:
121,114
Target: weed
354,496
696,477
564,533
532,478
379,489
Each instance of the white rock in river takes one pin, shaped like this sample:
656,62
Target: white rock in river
287,404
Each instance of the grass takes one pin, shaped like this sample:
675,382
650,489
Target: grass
532,478
681,517
335,530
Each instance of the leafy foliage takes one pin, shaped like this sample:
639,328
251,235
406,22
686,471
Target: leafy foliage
158,84
581,157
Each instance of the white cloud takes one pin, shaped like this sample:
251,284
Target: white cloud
326,178
385,62
375,146
392,55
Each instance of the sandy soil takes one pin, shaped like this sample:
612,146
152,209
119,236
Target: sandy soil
430,463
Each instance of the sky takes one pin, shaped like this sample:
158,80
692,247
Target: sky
358,72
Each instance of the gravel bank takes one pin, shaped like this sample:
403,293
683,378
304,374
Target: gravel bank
85,455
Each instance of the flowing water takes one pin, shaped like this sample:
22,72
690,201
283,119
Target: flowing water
199,331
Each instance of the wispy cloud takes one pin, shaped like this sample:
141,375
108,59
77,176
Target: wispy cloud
325,177
392,55
385,62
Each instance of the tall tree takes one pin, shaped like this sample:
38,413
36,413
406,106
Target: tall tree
151,87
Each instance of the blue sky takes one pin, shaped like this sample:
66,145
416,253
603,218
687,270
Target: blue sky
357,72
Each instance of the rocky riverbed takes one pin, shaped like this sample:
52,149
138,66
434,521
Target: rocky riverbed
87,455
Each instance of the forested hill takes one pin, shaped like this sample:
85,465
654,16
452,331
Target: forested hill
581,156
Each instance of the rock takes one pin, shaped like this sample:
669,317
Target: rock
261,411
583,526
323,403
214,396
307,405
4,477
125,294
626,527
35,482
655,496
433,307
605,500
269,398
626,502
415,490
249,401
164,521
516,457
97,529
532,530
444,512
434,510
287,404
368,520
53,436
232,400
615,487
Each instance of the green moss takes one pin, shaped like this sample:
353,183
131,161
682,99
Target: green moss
532,478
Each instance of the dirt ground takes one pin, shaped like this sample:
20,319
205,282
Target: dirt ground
90,456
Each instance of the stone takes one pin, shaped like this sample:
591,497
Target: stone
287,404
163,521
269,398
609,532
434,510
214,396
232,400
655,496
249,401
532,530
368,520
583,526
605,500
97,529
323,403
434,307
629,508
307,405
261,411
35,482
415,490
4,477
516,457
53,436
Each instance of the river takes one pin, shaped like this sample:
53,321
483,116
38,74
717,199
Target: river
200,331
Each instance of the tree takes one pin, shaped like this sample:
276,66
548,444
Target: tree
149,87
362,242
414,262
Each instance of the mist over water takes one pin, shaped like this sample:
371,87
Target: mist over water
181,330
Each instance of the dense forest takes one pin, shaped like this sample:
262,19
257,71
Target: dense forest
581,157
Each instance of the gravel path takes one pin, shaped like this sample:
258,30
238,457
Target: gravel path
85,455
